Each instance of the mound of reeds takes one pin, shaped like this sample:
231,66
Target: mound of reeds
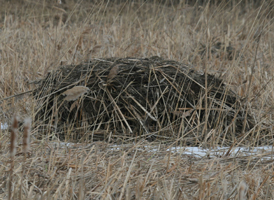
147,97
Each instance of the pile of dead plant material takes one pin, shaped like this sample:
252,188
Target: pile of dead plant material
144,97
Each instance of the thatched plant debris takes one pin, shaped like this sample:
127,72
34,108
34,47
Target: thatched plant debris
143,97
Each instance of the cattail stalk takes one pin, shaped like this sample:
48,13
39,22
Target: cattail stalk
13,139
26,136
13,144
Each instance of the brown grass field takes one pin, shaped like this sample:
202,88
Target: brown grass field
37,36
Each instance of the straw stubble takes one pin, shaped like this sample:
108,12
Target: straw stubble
26,134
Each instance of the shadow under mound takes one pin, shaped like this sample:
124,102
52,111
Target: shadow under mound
144,97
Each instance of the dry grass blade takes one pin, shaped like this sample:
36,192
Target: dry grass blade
26,134
151,117
119,111
128,175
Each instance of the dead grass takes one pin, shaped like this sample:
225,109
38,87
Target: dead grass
37,37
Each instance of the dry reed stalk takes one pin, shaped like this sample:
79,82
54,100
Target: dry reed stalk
13,144
75,92
13,139
26,135
127,176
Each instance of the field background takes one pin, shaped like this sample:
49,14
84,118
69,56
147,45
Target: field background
38,36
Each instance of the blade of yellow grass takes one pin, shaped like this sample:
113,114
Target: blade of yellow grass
127,177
